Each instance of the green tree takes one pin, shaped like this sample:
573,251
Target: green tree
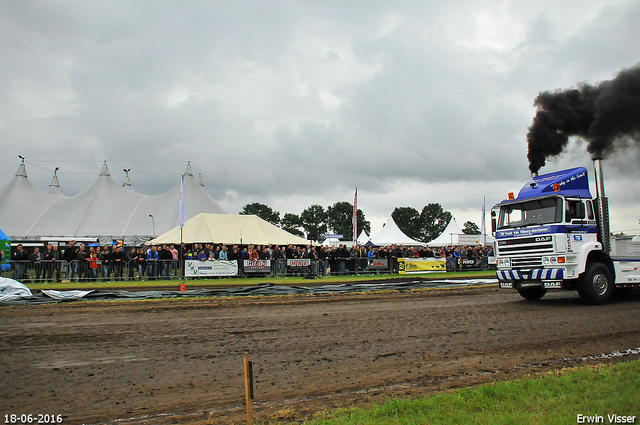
313,221
408,220
433,220
292,223
340,219
263,211
470,228
363,223
341,222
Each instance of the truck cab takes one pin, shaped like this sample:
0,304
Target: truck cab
550,237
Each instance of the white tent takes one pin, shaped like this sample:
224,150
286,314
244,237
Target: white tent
452,235
392,235
21,204
449,235
106,211
363,238
228,229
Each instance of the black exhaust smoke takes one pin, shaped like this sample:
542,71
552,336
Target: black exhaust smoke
601,114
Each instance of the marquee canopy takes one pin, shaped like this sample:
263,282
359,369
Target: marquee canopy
105,211
392,235
228,229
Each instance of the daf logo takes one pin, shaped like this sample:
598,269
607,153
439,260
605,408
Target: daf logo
543,239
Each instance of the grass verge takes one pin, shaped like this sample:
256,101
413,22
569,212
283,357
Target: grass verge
556,397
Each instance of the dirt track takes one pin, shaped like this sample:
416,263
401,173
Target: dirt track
181,361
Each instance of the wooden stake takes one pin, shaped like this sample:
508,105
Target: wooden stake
248,384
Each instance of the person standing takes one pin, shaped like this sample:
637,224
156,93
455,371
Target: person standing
224,255
56,257
105,258
174,255
165,258
92,261
141,259
36,262
119,260
82,255
132,263
48,263
20,257
71,258
152,262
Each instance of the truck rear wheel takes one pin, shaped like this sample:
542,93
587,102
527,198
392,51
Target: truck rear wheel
596,284
532,293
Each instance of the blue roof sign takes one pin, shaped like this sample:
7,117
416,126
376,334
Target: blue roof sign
573,182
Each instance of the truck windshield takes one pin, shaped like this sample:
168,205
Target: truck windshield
534,212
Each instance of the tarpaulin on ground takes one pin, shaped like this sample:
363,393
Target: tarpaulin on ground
53,296
12,289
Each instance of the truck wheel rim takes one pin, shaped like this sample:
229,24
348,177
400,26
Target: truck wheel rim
600,283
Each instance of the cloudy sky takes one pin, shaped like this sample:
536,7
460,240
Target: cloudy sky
294,103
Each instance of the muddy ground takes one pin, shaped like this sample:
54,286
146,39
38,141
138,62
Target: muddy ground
181,361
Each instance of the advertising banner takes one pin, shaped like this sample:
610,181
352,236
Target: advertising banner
470,239
298,263
421,265
198,268
474,263
257,266
378,264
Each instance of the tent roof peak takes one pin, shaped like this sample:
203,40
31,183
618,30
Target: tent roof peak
22,170
105,169
188,171
54,179
127,181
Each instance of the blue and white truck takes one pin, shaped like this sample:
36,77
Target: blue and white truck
555,235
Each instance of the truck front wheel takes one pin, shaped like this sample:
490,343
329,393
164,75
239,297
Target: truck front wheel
596,284
532,293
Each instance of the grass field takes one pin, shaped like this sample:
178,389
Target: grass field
591,394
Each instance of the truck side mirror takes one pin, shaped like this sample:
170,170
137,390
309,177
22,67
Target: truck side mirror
493,221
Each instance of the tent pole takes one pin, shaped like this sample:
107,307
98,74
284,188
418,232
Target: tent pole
181,257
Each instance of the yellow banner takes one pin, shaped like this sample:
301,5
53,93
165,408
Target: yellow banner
421,265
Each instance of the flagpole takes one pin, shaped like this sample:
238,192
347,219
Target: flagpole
181,219
355,219
484,231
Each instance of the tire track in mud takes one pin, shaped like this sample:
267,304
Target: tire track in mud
108,361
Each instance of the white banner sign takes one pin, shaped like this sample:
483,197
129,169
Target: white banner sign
298,262
470,239
195,268
257,266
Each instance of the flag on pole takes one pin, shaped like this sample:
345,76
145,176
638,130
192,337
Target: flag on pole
484,233
484,200
182,202
355,216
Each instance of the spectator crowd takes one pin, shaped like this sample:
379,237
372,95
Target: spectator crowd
86,262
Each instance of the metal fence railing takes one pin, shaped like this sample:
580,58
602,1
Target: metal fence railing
42,271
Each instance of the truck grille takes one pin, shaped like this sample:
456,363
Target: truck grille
526,252
526,262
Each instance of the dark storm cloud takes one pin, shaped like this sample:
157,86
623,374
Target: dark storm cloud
278,101
602,114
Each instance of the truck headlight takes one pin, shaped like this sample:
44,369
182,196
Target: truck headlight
552,260
504,262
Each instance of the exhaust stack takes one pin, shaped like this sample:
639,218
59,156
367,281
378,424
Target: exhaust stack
602,205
